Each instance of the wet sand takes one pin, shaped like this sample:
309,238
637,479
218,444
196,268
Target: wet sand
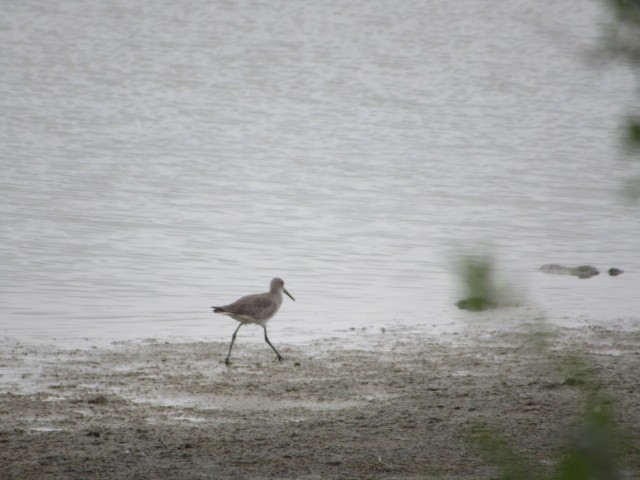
402,404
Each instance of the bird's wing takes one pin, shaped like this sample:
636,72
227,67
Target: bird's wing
254,306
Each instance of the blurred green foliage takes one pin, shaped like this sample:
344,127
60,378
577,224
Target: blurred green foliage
592,448
632,135
627,11
483,285
477,276
590,451
622,40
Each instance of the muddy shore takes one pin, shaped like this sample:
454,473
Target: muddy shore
404,406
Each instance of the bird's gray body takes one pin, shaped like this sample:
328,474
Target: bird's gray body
258,308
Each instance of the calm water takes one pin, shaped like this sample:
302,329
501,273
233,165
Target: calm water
159,157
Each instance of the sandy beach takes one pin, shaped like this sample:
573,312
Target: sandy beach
404,404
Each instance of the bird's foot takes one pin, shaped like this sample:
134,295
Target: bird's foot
280,358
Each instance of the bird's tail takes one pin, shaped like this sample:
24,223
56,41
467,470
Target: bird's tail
218,309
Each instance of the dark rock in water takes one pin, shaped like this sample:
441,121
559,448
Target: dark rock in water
614,272
475,304
583,271
555,269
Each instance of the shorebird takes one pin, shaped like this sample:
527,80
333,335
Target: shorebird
257,308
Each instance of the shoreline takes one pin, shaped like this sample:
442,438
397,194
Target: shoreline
401,406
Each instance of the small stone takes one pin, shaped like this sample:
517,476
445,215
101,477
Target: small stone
99,400
614,272
585,271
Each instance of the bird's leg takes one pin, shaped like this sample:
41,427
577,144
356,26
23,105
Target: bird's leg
233,339
280,358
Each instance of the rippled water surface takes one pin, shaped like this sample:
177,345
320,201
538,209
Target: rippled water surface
160,157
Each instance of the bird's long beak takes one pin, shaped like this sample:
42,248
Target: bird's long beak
285,291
